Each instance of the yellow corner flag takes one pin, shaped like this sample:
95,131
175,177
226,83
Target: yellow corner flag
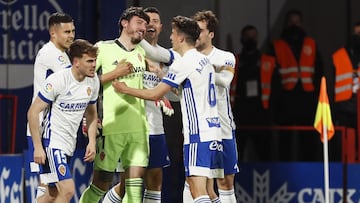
323,113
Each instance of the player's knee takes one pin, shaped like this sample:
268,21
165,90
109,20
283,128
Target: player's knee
225,183
105,176
102,179
68,194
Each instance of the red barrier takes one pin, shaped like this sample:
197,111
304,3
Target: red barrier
14,100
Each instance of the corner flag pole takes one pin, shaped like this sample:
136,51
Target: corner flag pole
326,165
323,124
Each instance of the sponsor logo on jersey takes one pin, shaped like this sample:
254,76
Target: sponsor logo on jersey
73,106
213,122
48,87
216,146
88,91
62,169
151,77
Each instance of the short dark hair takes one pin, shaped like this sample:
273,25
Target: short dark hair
57,18
356,24
210,18
246,28
80,47
187,26
152,10
131,12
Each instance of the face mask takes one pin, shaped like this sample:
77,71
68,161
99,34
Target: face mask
293,33
249,44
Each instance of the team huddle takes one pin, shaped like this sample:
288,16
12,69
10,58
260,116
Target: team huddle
124,84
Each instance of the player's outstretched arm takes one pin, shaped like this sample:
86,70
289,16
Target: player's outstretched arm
149,94
157,53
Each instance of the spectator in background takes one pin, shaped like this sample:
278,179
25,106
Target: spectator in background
347,66
300,68
251,88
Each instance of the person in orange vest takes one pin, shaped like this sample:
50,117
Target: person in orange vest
347,71
251,90
300,68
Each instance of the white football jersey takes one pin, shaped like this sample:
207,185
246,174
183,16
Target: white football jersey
200,116
48,60
219,59
153,113
69,99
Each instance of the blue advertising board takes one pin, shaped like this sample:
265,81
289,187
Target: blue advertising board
11,178
295,182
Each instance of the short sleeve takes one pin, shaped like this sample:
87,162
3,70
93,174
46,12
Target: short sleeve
177,73
50,89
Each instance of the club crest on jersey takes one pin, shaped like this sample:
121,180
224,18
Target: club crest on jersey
48,87
213,122
140,57
102,156
62,169
88,91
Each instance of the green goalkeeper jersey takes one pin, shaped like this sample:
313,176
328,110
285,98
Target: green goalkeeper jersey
122,113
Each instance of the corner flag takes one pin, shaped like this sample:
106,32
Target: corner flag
323,119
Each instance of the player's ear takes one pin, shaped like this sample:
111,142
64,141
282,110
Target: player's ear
124,23
76,62
52,32
211,35
161,26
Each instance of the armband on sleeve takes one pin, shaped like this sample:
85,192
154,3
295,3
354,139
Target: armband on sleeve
228,68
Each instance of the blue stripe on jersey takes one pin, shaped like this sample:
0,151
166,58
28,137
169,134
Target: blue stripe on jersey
48,73
69,66
169,82
47,124
92,102
44,98
191,112
172,57
192,154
